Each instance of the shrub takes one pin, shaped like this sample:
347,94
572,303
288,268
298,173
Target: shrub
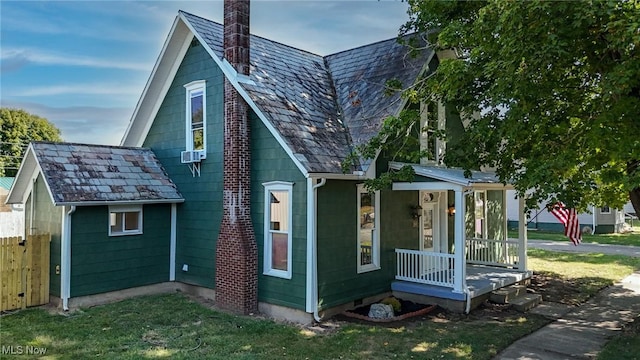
394,303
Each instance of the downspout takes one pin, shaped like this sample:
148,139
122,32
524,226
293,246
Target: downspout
312,245
65,268
172,243
467,293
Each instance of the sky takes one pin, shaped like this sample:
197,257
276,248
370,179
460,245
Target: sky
83,64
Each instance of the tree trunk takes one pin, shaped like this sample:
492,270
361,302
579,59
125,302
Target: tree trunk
634,194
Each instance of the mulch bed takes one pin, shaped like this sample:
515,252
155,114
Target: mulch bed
407,309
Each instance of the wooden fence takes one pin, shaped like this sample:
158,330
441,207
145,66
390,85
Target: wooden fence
24,271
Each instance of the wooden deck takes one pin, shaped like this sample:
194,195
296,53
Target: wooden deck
481,280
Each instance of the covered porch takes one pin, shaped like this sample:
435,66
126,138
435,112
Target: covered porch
464,252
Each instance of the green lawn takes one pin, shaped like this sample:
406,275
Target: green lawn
624,347
614,239
177,327
588,272
173,326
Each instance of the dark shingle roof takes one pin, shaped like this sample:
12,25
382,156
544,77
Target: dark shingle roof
360,76
321,106
79,173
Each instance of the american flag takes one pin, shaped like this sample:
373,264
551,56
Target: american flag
568,218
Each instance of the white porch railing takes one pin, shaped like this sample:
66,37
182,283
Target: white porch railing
425,267
492,252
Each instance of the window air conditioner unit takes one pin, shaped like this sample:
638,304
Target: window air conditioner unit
191,156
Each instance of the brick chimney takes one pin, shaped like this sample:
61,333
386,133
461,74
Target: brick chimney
236,250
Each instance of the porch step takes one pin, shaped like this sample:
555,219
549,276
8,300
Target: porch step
526,302
506,295
517,296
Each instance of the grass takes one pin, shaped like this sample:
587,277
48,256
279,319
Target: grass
632,239
625,346
177,327
590,272
174,326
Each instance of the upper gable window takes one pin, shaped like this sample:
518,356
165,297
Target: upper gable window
196,115
125,220
432,119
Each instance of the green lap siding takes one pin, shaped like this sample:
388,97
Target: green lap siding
102,263
47,219
198,218
338,279
271,163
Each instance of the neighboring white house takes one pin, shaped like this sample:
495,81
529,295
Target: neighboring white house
11,216
601,220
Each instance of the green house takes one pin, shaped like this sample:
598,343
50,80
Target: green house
110,211
324,243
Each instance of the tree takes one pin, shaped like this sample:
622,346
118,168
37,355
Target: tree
555,87
17,129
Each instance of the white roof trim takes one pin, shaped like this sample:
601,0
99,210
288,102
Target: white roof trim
427,171
152,96
334,176
23,182
234,79
119,202
426,185
173,51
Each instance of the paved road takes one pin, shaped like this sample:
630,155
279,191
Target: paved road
585,247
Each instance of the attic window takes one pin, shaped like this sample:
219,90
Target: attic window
196,116
432,120
125,220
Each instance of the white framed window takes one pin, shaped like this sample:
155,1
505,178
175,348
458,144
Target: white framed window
480,214
278,221
432,120
125,220
605,210
368,244
196,116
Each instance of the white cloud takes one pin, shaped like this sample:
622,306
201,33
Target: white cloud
19,57
83,124
116,89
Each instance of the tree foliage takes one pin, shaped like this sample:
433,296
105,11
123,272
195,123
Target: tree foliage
556,86
17,129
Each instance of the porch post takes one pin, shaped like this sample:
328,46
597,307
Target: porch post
522,235
459,262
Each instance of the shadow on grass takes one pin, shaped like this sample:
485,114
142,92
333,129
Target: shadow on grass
556,288
179,327
572,278
588,258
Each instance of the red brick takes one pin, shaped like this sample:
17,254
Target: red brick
236,249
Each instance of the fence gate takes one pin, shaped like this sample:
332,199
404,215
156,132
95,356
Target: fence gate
24,271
